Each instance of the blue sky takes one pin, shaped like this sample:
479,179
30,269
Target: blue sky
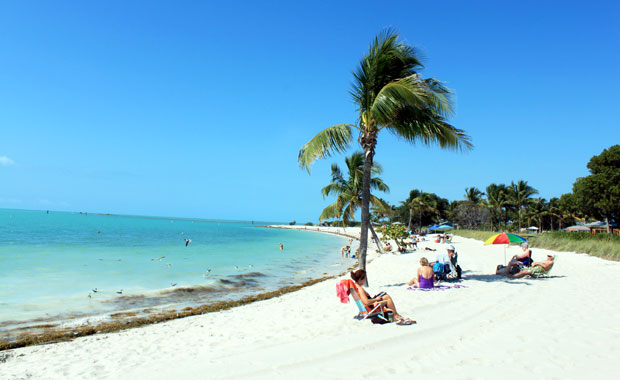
199,110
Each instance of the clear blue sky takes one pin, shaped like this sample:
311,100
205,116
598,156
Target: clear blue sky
199,110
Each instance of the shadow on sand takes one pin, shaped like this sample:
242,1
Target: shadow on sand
493,278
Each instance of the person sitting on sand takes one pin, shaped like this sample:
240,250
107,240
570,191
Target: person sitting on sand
359,278
537,268
425,277
345,251
388,247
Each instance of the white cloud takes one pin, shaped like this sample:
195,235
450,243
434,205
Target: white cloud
5,161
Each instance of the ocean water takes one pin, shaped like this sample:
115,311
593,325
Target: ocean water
51,263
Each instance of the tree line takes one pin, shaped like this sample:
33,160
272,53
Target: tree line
500,207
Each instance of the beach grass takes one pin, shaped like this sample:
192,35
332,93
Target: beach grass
600,245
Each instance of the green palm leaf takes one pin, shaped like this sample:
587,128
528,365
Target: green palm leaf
334,139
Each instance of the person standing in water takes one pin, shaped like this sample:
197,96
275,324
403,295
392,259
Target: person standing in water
281,247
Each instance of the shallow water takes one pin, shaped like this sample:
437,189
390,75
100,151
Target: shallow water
51,263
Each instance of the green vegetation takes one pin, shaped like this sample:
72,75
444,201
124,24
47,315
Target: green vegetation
396,232
349,191
389,94
511,207
602,245
599,193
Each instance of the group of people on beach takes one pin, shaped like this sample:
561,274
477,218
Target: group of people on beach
446,267
522,265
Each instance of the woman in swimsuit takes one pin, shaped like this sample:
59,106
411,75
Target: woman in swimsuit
425,277
359,278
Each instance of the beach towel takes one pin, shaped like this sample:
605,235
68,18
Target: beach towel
342,291
438,287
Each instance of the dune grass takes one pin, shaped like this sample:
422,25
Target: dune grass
600,245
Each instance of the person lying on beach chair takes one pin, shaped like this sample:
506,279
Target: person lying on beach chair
537,269
374,303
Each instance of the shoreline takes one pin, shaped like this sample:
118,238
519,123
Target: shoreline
56,334
326,230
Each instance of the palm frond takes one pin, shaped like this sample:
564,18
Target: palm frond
379,204
378,184
334,139
395,95
439,96
337,175
333,188
415,125
331,211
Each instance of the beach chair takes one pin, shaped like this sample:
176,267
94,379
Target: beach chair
380,310
545,273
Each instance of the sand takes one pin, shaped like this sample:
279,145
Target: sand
563,327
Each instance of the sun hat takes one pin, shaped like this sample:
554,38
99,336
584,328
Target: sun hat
451,248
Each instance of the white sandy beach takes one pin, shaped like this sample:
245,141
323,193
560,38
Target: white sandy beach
563,327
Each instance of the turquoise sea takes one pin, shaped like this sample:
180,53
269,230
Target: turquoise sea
51,263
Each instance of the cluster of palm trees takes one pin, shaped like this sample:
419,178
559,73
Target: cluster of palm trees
502,201
501,207
512,206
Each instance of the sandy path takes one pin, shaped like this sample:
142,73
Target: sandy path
567,326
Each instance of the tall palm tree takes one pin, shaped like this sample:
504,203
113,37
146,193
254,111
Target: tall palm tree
521,194
390,94
473,195
537,210
497,199
554,211
349,191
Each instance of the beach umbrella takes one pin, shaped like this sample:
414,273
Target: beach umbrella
504,238
444,227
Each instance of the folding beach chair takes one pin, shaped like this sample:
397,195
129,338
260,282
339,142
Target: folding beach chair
545,273
380,310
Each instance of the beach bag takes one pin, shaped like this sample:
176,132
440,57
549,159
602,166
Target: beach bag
379,320
438,268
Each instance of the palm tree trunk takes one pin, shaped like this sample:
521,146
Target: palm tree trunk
420,220
539,224
410,218
551,222
365,210
374,235
519,219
